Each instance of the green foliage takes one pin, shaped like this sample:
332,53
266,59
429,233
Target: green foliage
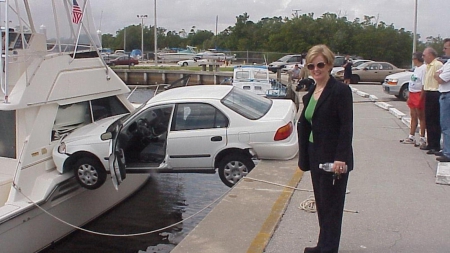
367,38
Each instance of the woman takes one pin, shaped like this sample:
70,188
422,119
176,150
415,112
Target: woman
416,102
325,136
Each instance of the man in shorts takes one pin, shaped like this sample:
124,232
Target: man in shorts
416,102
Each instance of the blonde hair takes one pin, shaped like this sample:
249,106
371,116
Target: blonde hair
320,50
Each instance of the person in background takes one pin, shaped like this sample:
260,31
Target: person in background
347,69
416,103
432,94
325,132
295,73
442,76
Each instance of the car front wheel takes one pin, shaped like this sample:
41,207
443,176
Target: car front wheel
233,167
404,92
89,173
185,64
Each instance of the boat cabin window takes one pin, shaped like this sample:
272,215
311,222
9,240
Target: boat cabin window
242,75
72,116
8,134
107,107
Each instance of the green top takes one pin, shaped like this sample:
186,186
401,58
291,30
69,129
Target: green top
309,114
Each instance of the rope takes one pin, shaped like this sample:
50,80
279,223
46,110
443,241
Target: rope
308,205
120,235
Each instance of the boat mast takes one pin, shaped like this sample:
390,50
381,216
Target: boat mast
6,53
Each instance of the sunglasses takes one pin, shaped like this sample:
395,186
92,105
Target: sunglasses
319,65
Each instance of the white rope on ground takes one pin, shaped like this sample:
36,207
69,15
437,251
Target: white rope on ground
119,235
308,205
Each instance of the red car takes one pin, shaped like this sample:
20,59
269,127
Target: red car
124,60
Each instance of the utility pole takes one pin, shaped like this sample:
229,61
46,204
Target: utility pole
296,12
142,32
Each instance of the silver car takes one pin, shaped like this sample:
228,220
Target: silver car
397,84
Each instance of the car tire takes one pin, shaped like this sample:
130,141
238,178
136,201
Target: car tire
185,64
233,167
132,64
355,79
404,92
89,173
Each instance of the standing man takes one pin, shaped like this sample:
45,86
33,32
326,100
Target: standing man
347,69
432,95
442,76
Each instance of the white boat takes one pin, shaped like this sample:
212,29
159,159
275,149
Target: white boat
256,79
212,54
178,55
53,81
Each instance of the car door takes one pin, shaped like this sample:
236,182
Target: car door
140,144
370,73
385,70
198,132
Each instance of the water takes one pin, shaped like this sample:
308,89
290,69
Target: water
164,200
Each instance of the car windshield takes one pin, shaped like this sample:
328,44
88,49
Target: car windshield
246,103
284,58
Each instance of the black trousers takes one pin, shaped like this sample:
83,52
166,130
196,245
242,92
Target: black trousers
330,200
432,119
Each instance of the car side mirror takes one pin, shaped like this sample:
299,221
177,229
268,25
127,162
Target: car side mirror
106,136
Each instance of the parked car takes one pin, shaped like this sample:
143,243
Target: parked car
188,129
123,60
397,84
338,72
290,67
373,72
285,60
192,62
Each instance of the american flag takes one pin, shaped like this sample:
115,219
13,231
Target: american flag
77,14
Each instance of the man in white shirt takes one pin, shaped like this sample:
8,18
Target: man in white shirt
442,76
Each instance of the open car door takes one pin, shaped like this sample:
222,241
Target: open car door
139,146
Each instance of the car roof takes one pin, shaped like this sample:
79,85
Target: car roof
193,92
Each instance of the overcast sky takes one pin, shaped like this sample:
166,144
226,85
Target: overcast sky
433,15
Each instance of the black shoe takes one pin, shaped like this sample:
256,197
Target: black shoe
443,159
440,153
312,250
425,148
432,151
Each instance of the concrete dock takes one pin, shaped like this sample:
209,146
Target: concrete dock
394,202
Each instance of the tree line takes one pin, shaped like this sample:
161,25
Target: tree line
367,38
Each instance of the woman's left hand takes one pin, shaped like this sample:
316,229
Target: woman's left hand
339,167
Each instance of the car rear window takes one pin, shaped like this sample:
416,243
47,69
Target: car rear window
246,103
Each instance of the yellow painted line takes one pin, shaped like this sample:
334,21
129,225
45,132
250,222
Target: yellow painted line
262,238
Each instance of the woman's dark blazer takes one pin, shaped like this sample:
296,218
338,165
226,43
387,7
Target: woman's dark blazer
332,123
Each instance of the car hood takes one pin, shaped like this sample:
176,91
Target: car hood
399,75
94,129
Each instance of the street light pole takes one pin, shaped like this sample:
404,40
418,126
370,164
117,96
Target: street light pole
156,39
415,29
142,33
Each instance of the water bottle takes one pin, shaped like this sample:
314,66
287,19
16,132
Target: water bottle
328,167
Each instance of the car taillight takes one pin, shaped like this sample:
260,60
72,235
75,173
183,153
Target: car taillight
283,132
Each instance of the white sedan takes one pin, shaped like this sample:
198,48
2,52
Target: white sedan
192,62
189,129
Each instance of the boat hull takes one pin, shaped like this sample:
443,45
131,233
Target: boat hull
70,203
